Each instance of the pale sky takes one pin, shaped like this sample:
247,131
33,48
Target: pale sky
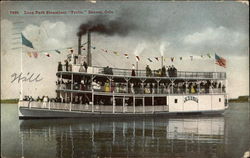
174,29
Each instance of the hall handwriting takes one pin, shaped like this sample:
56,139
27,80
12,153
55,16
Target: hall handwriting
29,77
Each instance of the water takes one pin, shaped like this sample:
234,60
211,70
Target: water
193,137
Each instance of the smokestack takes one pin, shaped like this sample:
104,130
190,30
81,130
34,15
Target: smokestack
79,44
89,58
162,61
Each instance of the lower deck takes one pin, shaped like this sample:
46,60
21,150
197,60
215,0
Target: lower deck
170,104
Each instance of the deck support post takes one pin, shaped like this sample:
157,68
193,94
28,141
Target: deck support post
92,106
134,102
220,86
186,85
158,86
123,104
199,87
127,80
113,102
172,87
71,93
153,103
60,87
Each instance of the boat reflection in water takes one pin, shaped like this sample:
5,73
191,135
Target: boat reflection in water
149,137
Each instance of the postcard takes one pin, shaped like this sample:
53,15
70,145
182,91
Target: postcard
125,78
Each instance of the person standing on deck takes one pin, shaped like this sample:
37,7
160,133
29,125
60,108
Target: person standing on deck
85,66
59,68
163,71
133,70
66,65
148,71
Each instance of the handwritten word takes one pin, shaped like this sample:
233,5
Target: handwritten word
29,77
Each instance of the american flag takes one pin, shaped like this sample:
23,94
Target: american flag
220,61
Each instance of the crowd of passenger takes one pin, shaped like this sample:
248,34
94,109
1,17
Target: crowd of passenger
135,88
143,88
170,71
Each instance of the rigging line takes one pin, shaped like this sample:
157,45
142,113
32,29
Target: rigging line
61,48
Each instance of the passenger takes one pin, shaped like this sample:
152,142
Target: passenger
163,71
110,71
148,71
81,69
59,68
162,88
174,71
147,89
116,87
106,86
223,88
133,70
165,90
132,88
45,101
153,88
66,65
38,99
192,89
85,66
170,69
178,88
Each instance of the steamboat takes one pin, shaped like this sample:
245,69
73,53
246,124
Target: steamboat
84,90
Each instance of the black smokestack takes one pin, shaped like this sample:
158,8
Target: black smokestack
89,56
79,44
103,25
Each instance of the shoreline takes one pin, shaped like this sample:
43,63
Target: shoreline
9,101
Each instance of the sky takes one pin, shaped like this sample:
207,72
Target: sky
146,29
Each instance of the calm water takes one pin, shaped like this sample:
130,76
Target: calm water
193,137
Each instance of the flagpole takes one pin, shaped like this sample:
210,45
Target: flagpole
215,70
21,95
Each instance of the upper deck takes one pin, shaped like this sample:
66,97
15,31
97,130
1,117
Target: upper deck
123,73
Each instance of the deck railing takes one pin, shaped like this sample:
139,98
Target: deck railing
155,73
159,90
94,108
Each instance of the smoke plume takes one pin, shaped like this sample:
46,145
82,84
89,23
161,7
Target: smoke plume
101,24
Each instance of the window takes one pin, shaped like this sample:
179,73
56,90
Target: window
219,99
175,100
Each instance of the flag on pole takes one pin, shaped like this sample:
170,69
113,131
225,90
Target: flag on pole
220,61
47,54
137,58
191,57
126,55
150,60
35,54
116,53
172,59
84,44
58,51
29,54
26,42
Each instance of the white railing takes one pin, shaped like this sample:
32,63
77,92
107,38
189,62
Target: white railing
97,108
